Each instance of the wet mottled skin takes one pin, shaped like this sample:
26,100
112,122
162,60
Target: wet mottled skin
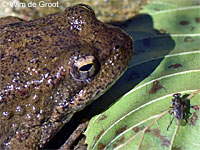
53,67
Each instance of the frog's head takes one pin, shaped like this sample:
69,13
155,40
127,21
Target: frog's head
103,57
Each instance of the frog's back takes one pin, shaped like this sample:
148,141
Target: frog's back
24,66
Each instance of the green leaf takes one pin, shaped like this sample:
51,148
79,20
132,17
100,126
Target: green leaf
168,51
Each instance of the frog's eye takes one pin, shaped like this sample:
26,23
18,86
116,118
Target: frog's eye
84,68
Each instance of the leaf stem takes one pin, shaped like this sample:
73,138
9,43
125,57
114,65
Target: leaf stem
141,140
193,94
174,135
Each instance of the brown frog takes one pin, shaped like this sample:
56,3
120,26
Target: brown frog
53,67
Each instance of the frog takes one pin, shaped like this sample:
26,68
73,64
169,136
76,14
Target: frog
53,67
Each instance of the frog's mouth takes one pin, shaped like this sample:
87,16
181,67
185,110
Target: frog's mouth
108,86
96,94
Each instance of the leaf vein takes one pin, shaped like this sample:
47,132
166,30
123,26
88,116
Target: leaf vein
176,9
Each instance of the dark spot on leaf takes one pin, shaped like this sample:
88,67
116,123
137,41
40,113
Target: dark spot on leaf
114,145
156,132
119,141
176,148
188,39
175,65
101,146
155,87
193,119
192,28
137,129
103,117
197,20
157,9
99,135
120,130
184,22
147,131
